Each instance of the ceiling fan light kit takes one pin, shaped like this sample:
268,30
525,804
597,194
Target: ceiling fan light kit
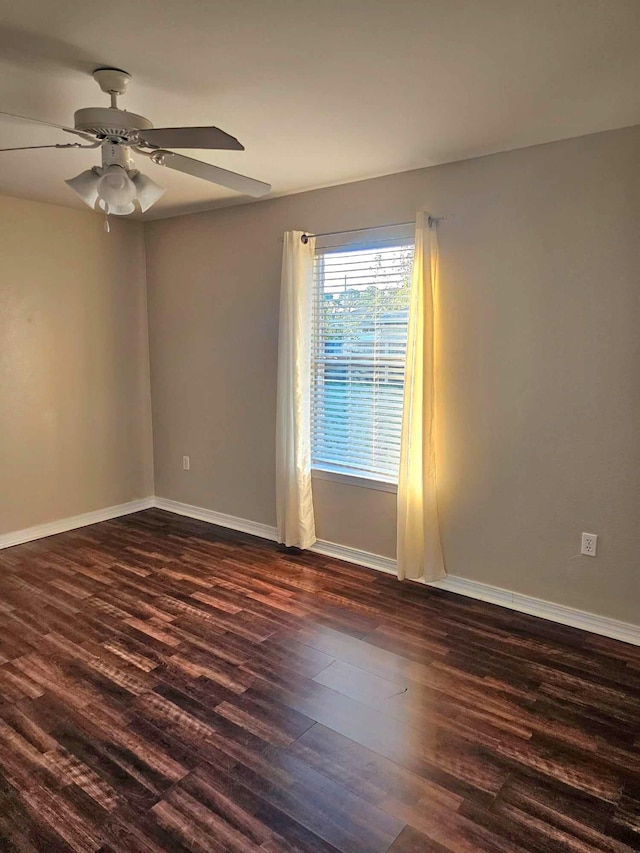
116,187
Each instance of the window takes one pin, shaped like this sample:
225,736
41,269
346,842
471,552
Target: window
361,310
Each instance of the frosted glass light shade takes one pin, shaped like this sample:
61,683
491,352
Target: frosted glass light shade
86,186
116,188
148,191
116,209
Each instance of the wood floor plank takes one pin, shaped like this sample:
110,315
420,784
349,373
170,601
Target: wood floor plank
166,685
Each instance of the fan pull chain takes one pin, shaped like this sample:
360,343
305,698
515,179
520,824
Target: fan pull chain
107,227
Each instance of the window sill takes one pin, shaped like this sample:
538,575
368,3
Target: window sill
352,480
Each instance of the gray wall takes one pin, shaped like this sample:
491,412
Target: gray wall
75,415
539,365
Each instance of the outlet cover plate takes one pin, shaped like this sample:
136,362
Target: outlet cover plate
589,544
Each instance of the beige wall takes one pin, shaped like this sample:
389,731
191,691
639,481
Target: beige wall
540,370
75,428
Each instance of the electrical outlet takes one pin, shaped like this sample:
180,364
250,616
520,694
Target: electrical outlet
589,544
186,463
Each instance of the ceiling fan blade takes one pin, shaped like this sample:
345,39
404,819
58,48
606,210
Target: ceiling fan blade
48,124
190,137
239,183
95,144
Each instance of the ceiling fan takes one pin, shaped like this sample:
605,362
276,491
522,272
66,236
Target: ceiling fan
115,187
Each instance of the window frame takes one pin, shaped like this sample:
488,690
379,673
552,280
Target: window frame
370,239
332,475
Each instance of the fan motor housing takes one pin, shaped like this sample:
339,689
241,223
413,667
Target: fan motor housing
118,126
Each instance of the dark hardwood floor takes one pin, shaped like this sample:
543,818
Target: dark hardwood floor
169,686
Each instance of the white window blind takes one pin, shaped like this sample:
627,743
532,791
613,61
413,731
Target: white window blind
361,309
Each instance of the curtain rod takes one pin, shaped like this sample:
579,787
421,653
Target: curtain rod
433,220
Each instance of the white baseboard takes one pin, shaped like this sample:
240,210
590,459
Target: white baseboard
570,616
354,555
243,525
582,619
7,540
462,586
268,531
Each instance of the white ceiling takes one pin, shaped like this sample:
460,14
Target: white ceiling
319,91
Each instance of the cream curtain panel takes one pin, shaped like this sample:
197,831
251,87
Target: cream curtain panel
294,502
419,549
